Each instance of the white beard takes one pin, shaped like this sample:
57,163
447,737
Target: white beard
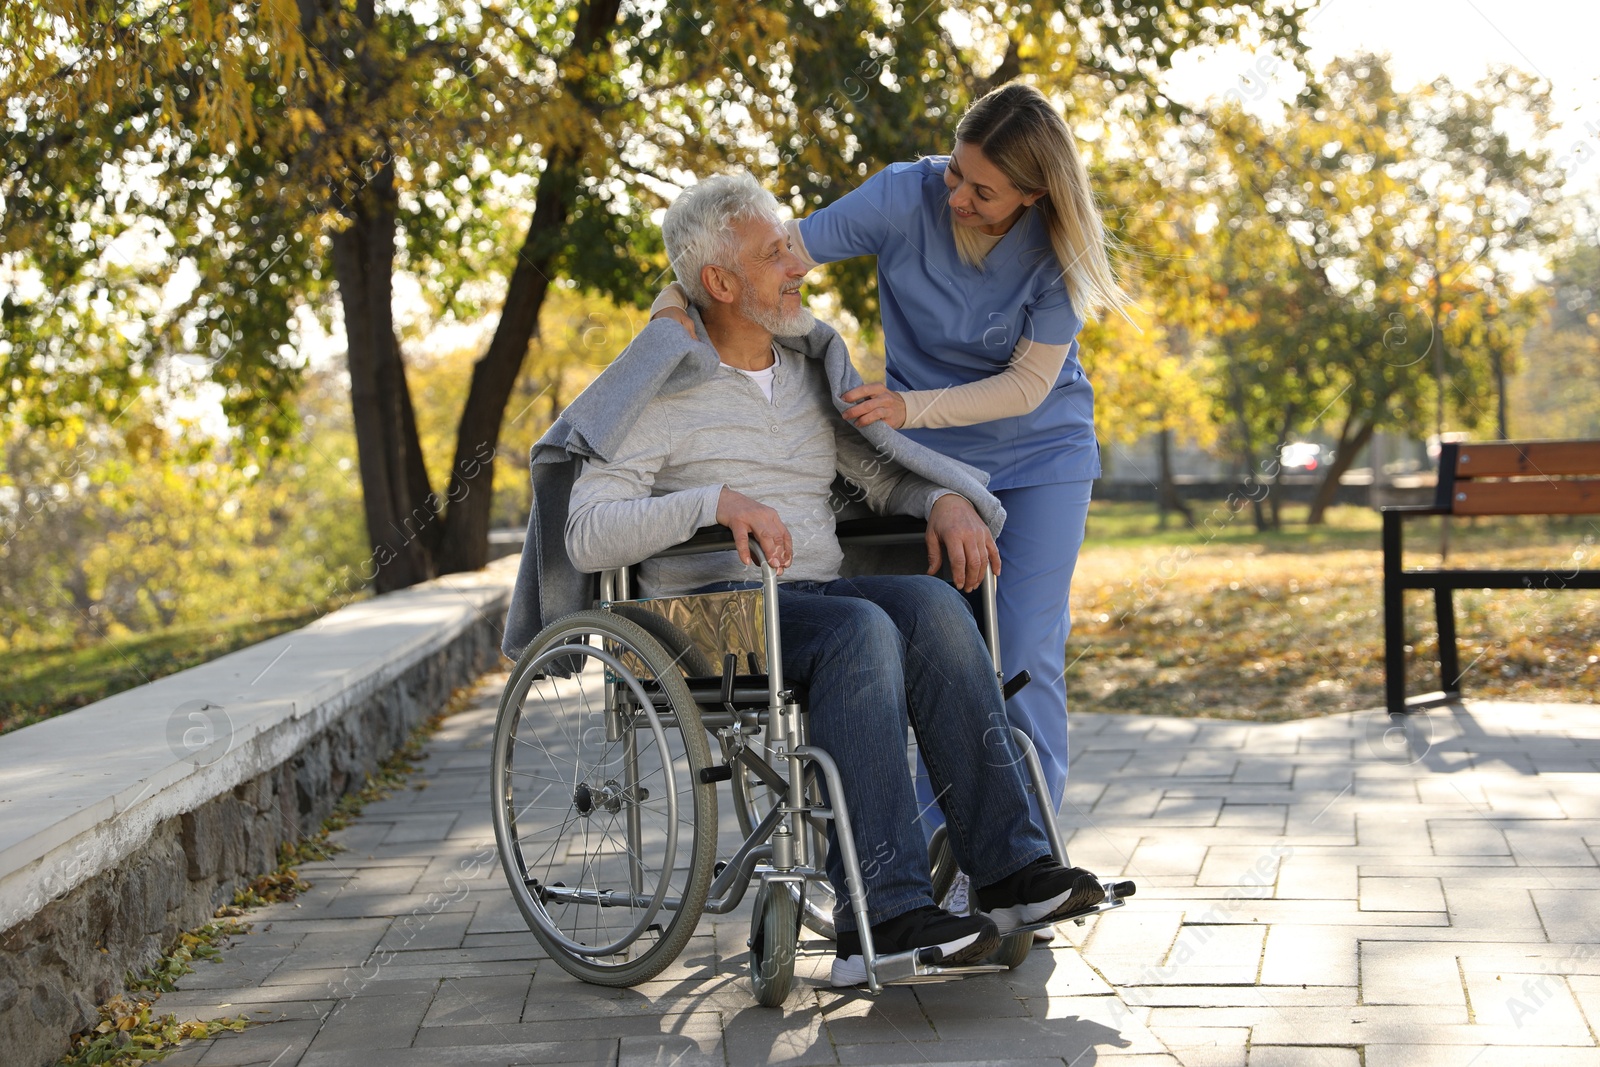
773,319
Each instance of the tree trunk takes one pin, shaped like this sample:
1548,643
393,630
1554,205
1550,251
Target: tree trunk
402,521
470,489
1246,452
1502,425
1167,495
1274,497
465,545
1350,445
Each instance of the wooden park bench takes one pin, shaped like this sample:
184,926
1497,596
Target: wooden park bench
1493,478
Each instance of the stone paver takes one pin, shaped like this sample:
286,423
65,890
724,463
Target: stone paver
1310,893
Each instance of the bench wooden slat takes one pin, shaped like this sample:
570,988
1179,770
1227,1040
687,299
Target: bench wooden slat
1512,459
1572,496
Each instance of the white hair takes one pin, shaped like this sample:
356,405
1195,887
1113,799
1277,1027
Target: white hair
698,227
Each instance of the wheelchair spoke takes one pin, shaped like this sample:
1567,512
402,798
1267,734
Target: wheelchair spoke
540,778
553,700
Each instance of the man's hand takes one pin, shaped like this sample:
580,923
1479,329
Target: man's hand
964,537
745,517
874,402
677,315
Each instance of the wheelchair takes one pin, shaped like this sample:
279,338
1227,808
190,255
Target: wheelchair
604,785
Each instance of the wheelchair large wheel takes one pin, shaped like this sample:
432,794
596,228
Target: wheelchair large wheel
752,799
606,831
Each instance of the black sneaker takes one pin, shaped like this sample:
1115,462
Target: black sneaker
962,939
1043,891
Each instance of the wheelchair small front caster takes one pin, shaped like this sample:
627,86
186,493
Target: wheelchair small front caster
774,937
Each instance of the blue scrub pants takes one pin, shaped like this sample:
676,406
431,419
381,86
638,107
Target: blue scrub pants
1038,551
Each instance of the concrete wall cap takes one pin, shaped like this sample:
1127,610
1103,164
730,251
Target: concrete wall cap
81,791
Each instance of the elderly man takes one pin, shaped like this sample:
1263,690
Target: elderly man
756,449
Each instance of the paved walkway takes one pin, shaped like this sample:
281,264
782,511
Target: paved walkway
1323,892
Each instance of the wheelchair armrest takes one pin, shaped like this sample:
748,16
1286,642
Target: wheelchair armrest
873,530
882,530
705,539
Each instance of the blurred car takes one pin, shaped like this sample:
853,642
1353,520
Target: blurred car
1303,456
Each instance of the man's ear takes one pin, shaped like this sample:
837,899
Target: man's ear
720,282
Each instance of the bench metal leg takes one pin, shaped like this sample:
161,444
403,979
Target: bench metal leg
1394,618
1444,611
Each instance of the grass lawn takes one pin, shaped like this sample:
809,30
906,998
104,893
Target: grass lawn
1226,622
46,682
1220,621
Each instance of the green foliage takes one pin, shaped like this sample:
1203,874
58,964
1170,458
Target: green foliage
130,525
1352,269
233,139
1558,393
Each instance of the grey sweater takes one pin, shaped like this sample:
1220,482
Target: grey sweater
664,480
663,360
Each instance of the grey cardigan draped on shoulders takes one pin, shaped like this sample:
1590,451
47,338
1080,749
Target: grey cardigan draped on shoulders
662,360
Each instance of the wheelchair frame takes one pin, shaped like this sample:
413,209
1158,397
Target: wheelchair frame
783,847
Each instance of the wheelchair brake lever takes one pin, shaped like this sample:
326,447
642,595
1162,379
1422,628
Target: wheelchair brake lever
1014,686
730,666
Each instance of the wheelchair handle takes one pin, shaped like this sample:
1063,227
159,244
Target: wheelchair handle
769,610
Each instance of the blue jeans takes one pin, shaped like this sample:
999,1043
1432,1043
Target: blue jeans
877,652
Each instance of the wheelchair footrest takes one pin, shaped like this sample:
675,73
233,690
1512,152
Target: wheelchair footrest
907,968
1117,893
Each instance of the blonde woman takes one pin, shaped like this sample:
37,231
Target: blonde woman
988,261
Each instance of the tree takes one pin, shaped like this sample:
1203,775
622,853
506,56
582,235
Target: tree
1475,197
279,156
1396,209
1558,390
349,142
140,524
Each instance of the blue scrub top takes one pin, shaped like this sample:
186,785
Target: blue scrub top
945,323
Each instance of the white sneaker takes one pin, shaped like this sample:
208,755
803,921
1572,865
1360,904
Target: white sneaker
957,899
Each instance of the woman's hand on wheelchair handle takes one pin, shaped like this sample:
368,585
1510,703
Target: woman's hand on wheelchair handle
747,518
956,530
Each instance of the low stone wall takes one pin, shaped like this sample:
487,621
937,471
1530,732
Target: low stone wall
126,883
